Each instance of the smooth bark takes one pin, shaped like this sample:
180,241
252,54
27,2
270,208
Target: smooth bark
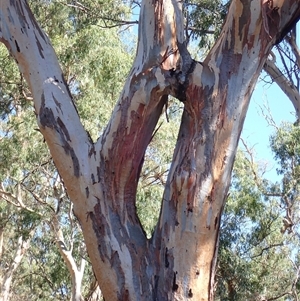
178,263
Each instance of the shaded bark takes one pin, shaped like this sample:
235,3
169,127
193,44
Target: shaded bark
178,263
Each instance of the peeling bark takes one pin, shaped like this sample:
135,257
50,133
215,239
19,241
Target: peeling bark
178,263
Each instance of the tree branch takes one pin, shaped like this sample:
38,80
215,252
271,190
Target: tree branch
286,86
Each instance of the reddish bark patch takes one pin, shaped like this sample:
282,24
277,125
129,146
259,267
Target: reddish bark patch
270,18
195,101
222,110
159,21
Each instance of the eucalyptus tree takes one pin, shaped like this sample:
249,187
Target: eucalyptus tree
285,144
38,227
204,22
101,177
258,256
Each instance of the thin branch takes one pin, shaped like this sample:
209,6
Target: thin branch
280,51
266,249
10,198
279,296
118,22
286,86
290,39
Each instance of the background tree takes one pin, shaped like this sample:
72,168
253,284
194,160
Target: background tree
258,259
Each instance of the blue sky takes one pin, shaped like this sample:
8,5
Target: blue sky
256,131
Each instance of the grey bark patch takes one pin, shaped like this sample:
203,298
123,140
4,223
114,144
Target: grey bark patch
32,20
154,292
167,264
48,120
64,129
39,46
17,46
93,179
46,115
58,104
99,226
70,151
92,150
21,15
10,18
98,174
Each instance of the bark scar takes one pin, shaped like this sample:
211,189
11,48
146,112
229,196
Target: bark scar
175,285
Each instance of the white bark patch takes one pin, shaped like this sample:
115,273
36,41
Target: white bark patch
200,155
216,71
146,35
239,83
160,79
140,96
255,15
205,190
196,77
126,262
238,40
189,220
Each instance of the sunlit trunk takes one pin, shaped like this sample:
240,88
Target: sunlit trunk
101,179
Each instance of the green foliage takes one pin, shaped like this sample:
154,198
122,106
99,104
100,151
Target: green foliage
158,157
286,146
95,63
205,19
256,257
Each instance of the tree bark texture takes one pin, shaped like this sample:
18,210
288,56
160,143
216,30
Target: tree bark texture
101,178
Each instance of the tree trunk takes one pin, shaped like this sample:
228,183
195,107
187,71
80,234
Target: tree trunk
178,262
